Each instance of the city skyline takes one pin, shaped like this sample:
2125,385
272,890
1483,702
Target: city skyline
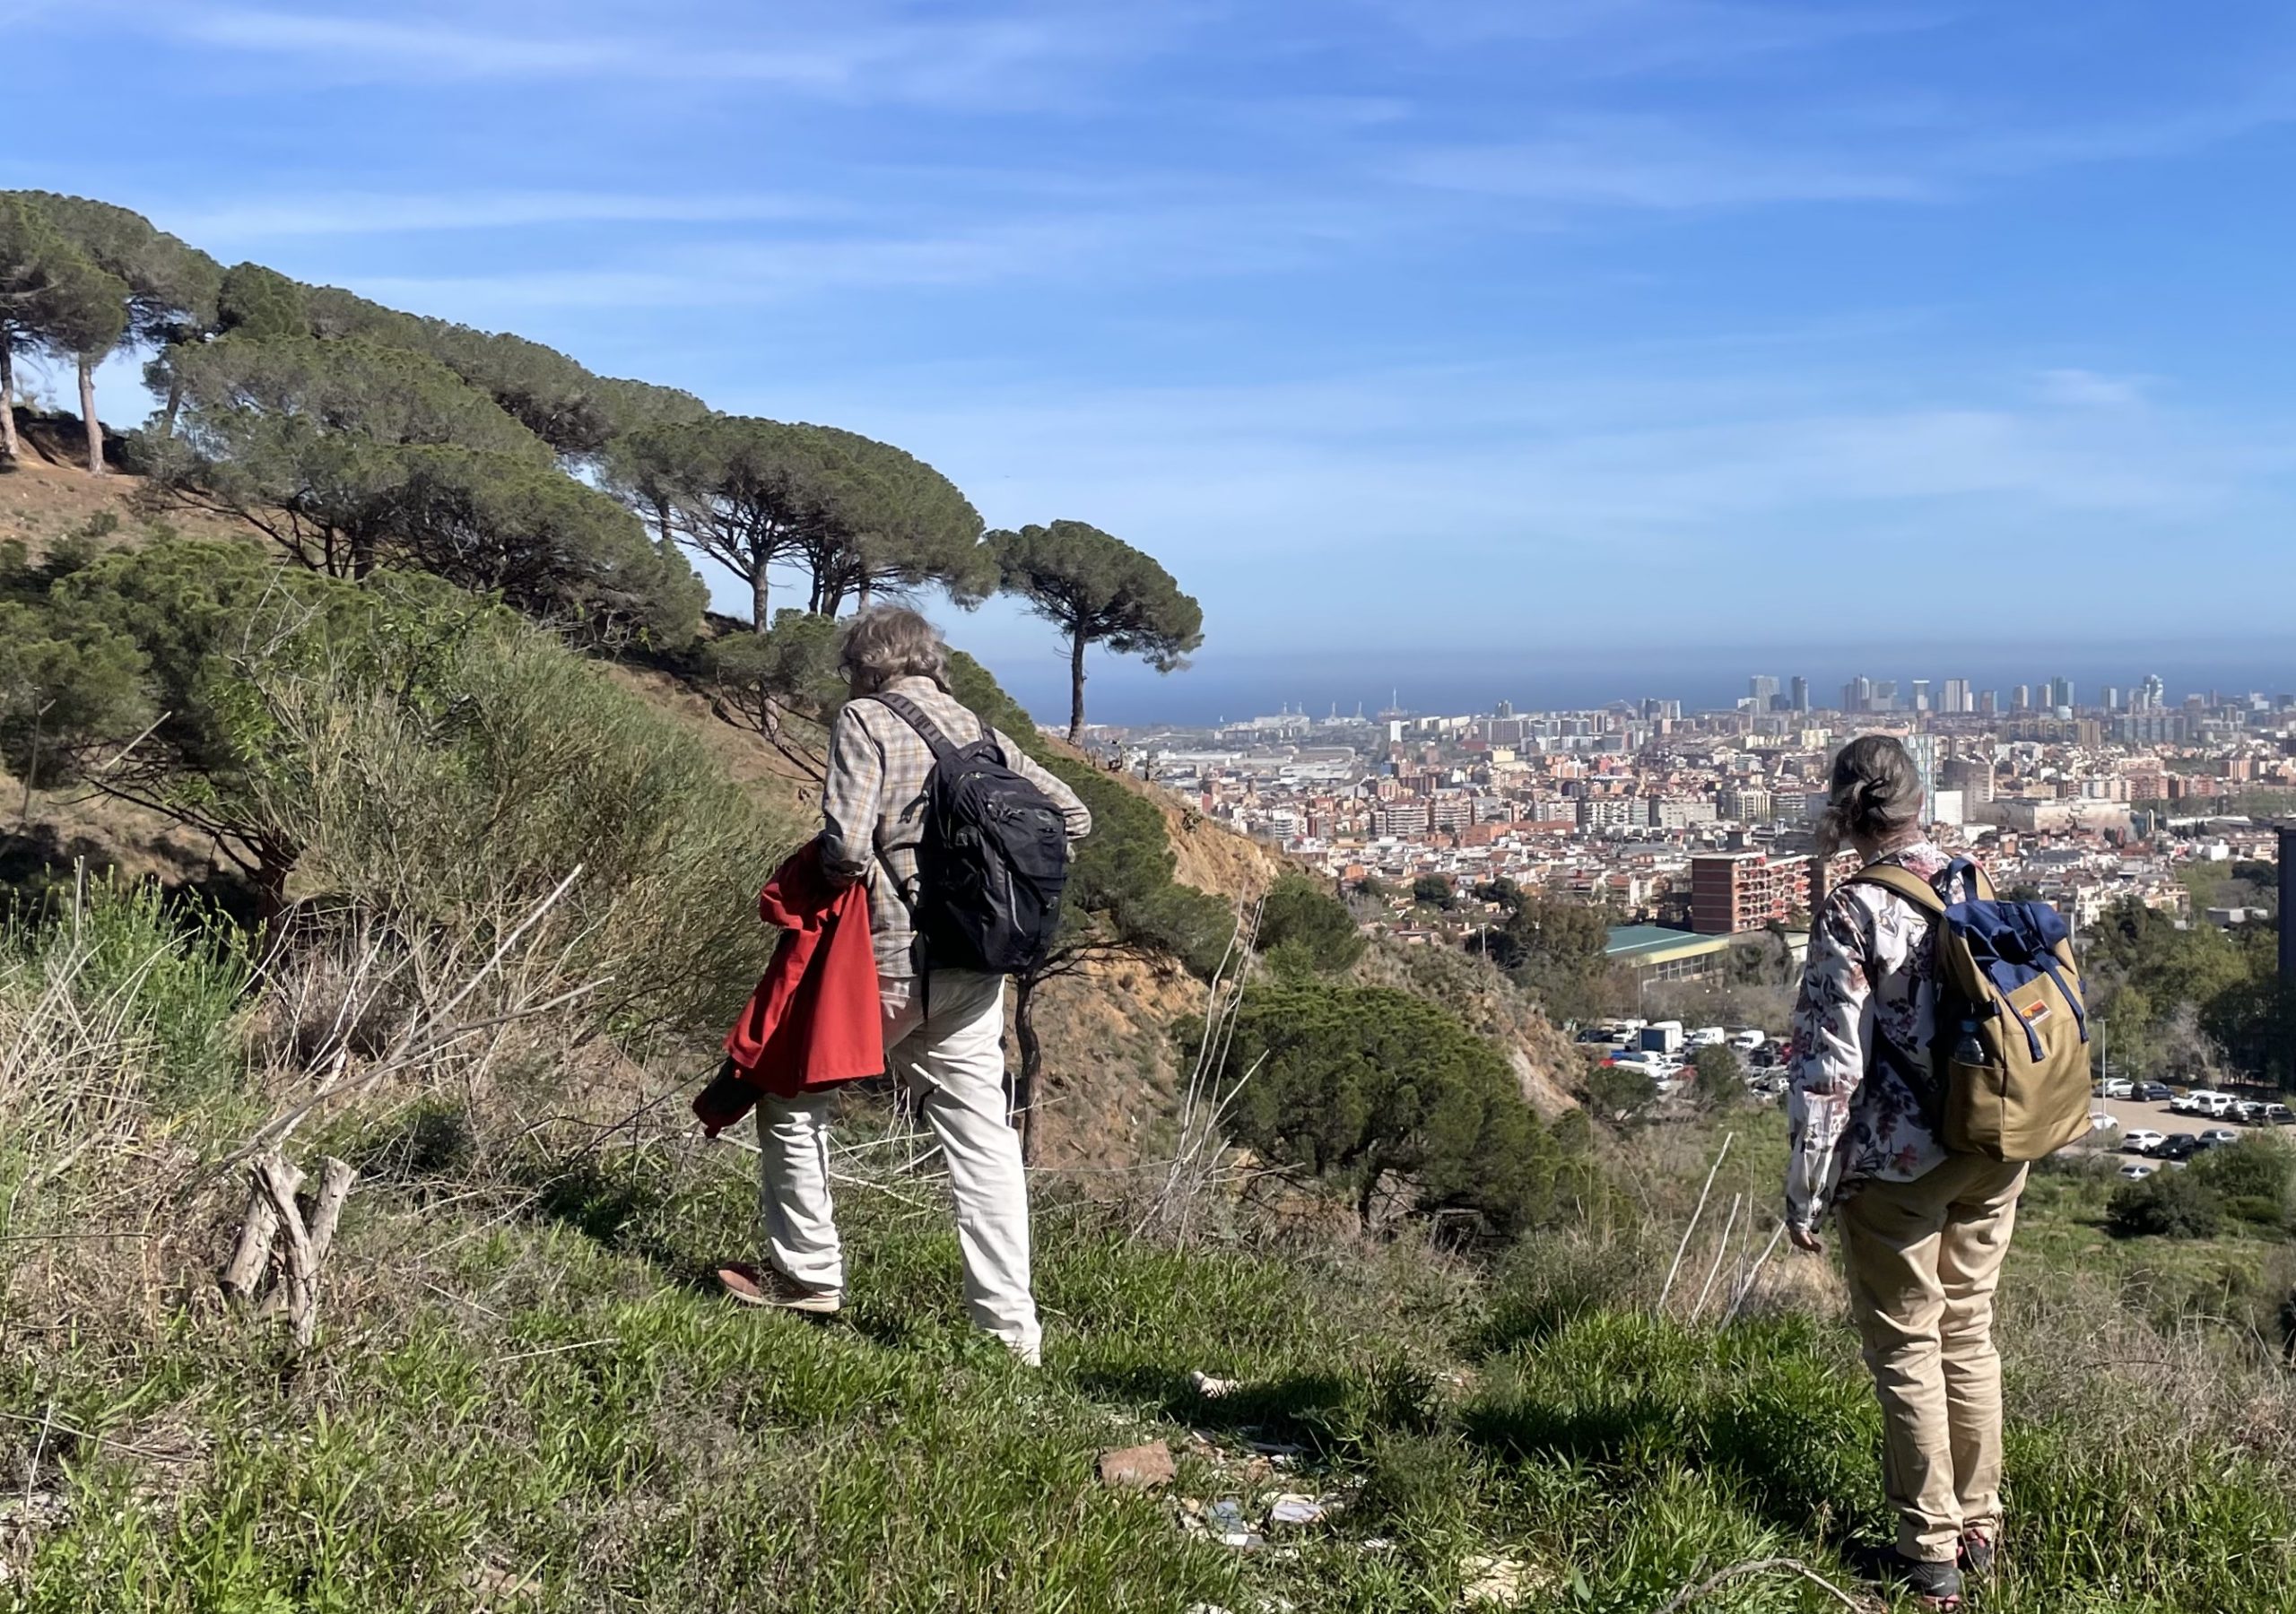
1219,689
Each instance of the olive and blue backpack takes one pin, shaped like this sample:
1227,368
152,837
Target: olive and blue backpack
2009,1069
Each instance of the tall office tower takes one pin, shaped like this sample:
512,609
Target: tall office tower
1506,708
2060,692
1798,693
1762,689
1923,749
1989,703
1885,695
1920,695
1857,695
2111,698
1957,696
2152,695
2023,701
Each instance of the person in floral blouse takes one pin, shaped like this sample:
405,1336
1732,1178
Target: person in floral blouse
1923,1231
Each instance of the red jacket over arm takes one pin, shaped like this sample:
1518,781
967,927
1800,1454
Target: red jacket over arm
814,1019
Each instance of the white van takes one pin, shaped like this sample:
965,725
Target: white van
2214,1105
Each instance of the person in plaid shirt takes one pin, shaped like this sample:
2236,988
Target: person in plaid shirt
943,1035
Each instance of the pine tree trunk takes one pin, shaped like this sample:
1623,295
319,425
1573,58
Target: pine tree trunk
1024,1085
1076,687
9,446
88,416
175,403
760,614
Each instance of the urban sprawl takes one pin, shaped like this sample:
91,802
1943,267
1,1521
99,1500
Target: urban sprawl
1691,828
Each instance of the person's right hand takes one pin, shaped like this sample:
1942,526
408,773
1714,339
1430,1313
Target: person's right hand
1805,1239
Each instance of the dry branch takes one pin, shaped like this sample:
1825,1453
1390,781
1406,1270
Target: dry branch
301,1279
1698,1212
1691,1594
258,1233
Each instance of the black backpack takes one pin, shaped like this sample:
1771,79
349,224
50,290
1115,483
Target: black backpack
993,859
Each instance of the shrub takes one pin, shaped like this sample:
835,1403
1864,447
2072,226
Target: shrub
2259,1166
1306,923
1377,1091
1617,1092
2168,1205
1721,1076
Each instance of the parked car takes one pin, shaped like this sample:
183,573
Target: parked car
2103,1121
2185,1104
2115,1087
2136,1171
2141,1141
1747,1038
2176,1146
2279,1114
2217,1137
2214,1105
2153,1092
2248,1112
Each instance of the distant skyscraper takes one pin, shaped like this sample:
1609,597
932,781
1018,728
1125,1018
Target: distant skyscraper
1857,695
1923,749
2060,692
1957,696
1505,709
1920,695
1799,693
1989,703
1762,689
2111,698
2023,700
2152,695
1885,696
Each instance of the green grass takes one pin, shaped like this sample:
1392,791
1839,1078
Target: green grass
549,1411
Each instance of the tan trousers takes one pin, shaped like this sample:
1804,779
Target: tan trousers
954,1062
1923,1258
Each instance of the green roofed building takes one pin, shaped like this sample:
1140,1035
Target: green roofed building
1655,953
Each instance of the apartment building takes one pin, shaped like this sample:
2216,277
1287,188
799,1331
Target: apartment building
1735,892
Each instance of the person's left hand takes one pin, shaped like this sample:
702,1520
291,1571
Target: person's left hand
1805,1239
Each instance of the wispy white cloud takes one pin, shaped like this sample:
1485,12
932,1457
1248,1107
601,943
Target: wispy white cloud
352,213
1658,164
1781,155
1624,38
2090,389
1537,488
859,55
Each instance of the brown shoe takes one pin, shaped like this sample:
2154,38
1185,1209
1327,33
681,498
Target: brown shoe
771,1287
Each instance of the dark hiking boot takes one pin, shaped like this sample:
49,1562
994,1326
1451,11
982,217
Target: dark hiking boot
771,1287
1935,1585
1979,1549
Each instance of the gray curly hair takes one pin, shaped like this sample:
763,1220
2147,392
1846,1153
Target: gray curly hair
887,642
1873,796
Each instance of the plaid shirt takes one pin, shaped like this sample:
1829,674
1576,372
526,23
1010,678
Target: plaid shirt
872,804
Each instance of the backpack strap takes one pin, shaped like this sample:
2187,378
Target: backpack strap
913,715
1978,884
1904,882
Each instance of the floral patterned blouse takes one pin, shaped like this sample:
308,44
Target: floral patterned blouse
1855,1116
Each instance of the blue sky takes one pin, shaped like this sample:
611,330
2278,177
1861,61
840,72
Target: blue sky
1541,338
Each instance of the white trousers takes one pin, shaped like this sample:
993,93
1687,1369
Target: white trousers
954,1063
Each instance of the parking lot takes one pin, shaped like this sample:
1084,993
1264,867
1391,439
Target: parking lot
2136,1115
